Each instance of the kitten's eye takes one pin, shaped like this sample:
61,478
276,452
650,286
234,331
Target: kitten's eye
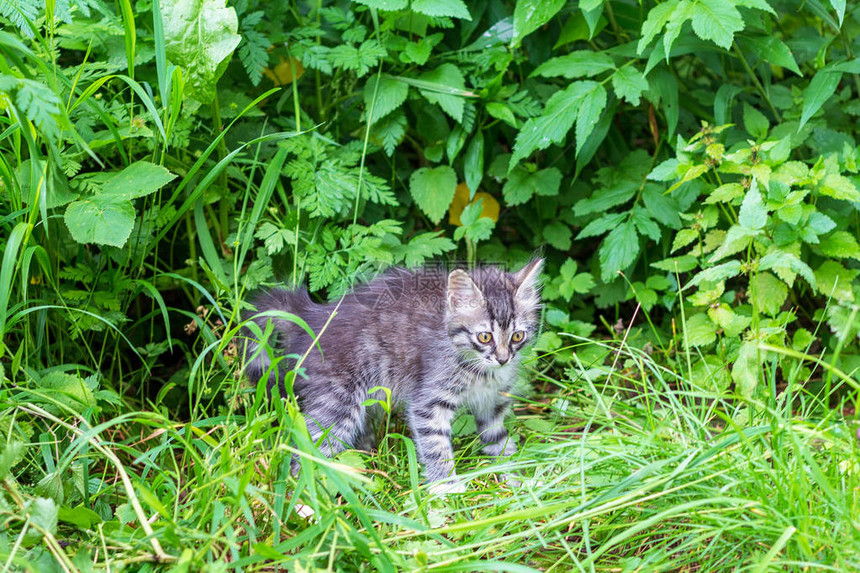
484,337
518,336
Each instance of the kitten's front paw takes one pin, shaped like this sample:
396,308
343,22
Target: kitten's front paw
448,486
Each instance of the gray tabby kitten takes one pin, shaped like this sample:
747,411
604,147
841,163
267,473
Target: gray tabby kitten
439,341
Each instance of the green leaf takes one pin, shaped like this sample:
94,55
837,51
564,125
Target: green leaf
746,370
390,95
423,247
717,21
43,513
474,226
522,185
769,293
445,77
737,239
732,324
442,8
629,83
580,64
662,207
835,280
683,238
200,36
101,220
755,122
774,51
137,180
781,261
840,245
473,163
502,112
558,235
820,89
715,274
699,330
433,189
601,225
581,102
839,187
680,264
82,517
657,19
618,250
529,15
839,6
753,214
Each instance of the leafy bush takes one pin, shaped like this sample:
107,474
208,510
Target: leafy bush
688,167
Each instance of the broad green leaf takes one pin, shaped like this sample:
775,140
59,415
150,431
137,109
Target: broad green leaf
683,12
601,225
699,330
618,250
473,163
581,64
839,6
100,220
604,199
522,185
446,76
474,226
780,261
773,51
433,189
662,207
732,324
558,235
657,19
737,239
137,180
502,112
753,214
835,280
645,224
725,193
683,238
581,102
839,187
529,15
82,517
716,274
769,293
666,171
680,264
820,89
746,370
200,36
442,8
840,245
43,513
717,21
755,122
629,83
390,95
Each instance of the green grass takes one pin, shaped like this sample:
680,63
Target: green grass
642,471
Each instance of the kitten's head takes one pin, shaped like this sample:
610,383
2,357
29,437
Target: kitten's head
492,314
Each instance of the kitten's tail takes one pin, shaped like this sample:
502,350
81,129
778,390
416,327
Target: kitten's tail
258,358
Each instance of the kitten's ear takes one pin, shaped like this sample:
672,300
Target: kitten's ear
526,280
463,293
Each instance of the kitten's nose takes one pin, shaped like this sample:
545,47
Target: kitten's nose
503,358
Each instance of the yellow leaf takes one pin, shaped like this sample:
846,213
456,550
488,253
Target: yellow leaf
489,207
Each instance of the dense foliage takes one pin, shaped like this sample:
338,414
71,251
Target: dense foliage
689,168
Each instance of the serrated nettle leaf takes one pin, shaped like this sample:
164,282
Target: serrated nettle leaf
717,21
604,199
442,8
383,96
680,264
820,89
778,260
522,184
753,214
388,5
737,239
601,225
445,78
679,16
580,64
629,83
746,370
529,15
819,224
839,187
683,238
645,224
137,180
200,36
502,112
774,51
433,189
101,220
662,207
840,245
835,281
769,293
582,102
699,330
725,193
665,171
618,250
732,324
716,274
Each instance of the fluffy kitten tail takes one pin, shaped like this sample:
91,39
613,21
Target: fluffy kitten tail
258,353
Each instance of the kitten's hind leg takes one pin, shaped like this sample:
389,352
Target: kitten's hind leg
336,421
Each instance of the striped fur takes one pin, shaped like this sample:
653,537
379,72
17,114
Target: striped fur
417,333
